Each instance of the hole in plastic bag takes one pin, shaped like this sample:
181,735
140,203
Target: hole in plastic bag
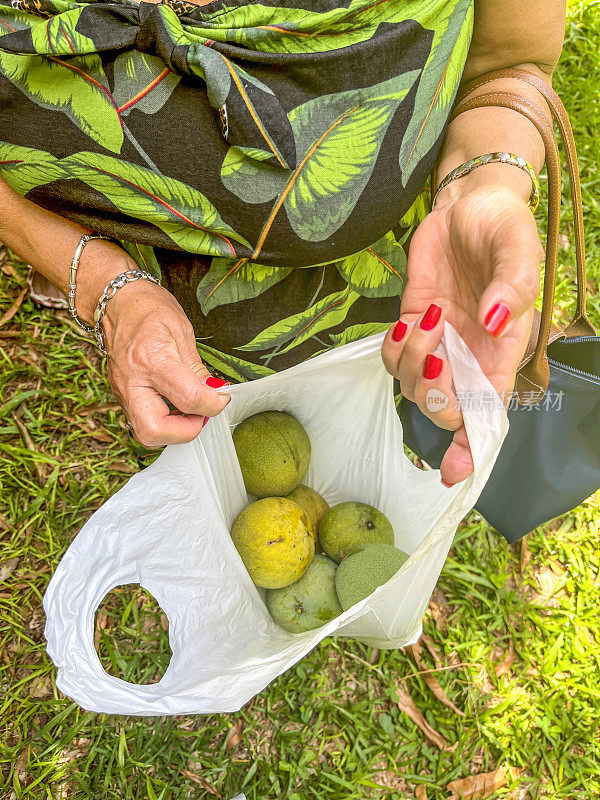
130,635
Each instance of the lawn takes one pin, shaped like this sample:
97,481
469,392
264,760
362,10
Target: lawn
504,683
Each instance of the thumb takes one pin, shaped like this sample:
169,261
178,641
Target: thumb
515,282
198,367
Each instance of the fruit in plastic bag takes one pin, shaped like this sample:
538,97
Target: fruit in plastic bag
347,526
275,541
314,505
274,452
364,570
308,603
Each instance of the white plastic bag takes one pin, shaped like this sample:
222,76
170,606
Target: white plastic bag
168,530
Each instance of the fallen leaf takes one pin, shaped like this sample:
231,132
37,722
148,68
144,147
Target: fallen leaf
439,608
201,782
234,737
7,567
408,705
525,555
477,787
21,764
431,681
374,657
124,467
4,523
98,409
435,653
548,578
6,264
40,687
421,792
28,442
503,668
14,308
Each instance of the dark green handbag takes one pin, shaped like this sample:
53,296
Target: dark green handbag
550,460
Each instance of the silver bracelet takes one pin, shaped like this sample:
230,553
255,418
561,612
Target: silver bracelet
73,277
109,292
494,158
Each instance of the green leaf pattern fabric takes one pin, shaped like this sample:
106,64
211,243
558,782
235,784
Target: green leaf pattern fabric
267,159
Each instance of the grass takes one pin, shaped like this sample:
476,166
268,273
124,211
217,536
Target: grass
513,631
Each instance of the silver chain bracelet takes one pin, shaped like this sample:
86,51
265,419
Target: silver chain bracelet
109,292
73,276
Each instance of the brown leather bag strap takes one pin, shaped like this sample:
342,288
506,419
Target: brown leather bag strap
580,324
533,378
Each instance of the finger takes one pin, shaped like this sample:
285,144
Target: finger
434,395
152,424
393,344
422,339
515,283
188,390
457,463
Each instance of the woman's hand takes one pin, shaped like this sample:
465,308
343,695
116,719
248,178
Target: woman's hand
477,258
152,355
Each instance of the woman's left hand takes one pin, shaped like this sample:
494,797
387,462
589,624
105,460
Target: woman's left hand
477,259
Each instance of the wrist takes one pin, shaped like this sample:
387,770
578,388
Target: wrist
487,177
100,262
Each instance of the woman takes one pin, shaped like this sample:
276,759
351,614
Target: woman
274,155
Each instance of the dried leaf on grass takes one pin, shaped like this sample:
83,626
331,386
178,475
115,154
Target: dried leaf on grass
40,687
98,409
21,764
124,467
201,782
6,264
8,315
234,737
28,442
477,787
421,792
8,567
439,608
503,668
408,705
550,579
525,555
430,679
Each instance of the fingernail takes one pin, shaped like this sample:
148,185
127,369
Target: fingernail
497,319
229,401
216,383
448,485
432,366
431,317
205,421
399,331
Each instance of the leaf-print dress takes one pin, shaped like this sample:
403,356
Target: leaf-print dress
268,158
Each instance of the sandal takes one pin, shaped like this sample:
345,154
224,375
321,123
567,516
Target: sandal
43,292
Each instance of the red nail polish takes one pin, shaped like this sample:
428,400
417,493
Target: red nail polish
205,421
497,319
448,485
432,366
431,317
216,383
399,331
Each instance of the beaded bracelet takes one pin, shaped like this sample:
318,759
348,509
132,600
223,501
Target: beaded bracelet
490,158
73,277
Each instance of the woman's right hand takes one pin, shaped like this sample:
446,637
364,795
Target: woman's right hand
152,355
